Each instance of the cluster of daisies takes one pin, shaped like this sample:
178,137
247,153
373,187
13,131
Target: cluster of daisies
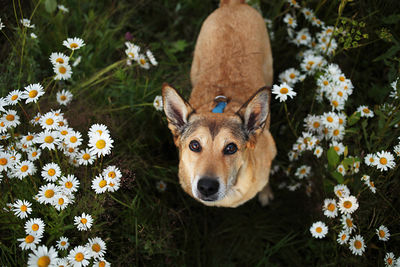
60,61
143,60
325,132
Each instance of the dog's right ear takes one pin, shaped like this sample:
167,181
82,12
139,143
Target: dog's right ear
176,109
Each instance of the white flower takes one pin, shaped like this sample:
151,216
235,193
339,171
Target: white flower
357,245
318,151
161,186
61,201
303,171
348,223
319,229
83,222
348,205
330,208
99,184
100,144
77,61
390,260
10,118
73,139
51,172
30,241
73,43
63,9
112,172
49,139
370,185
24,169
158,103
343,237
143,62
85,157
369,160
13,97
132,51
34,226
384,161
27,23
283,91
62,71
330,120
33,35
290,21
43,256
58,58
64,97
97,247
22,208
62,243
69,184
101,262
79,256
340,169
98,129
151,57
341,190
383,233
396,150
32,93
365,112
47,193
339,147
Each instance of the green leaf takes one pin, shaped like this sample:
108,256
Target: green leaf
338,177
50,5
388,54
333,158
354,118
392,19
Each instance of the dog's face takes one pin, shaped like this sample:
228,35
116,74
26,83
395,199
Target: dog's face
213,147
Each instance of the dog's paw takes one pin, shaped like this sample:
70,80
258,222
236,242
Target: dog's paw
265,196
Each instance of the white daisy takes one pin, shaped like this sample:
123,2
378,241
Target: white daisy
62,243
318,151
290,21
293,3
132,51
348,223
11,118
48,139
357,245
64,131
100,144
51,172
79,256
319,229
396,150
32,93
58,58
24,169
383,233
283,91
63,9
330,120
384,160
83,222
43,256
303,171
30,241
33,35
97,247
22,208
62,71
47,193
27,23
161,186
69,184
340,169
5,161
34,226
343,237
158,103
369,160
101,262
85,157
336,133
73,43
330,208
365,112
36,119
49,121
99,129
99,184
113,184
112,172
371,185
143,62
341,190
13,97
60,201
390,260
348,205
339,147
64,97
151,57
73,139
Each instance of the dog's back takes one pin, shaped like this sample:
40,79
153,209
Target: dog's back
232,57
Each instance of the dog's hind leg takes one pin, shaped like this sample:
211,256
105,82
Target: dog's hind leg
265,195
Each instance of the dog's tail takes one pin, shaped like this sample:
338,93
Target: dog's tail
231,2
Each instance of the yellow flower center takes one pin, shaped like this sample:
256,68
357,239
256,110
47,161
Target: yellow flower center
3,161
318,229
336,148
371,184
290,21
73,139
292,75
112,174
60,201
35,227
79,256
102,264
357,244
101,144
390,261
341,78
29,138
68,184
64,132
63,243
371,159
103,183
73,45
96,247
10,117
62,69
71,150
131,54
366,110
302,171
383,161
99,131
49,121
331,207
142,61
340,121
34,154
336,132
49,193
329,119
29,239
349,223
49,139
63,97
33,93
340,93
284,90
343,236
14,97
51,172
84,220
24,168
303,37
382,233
86,156
335,103
23,208
43,261
60,60
325,82
347,204
316,124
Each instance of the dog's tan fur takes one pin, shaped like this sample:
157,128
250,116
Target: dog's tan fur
232,58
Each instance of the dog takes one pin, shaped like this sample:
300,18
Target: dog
222,133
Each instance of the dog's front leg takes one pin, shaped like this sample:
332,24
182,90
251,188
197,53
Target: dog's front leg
265,195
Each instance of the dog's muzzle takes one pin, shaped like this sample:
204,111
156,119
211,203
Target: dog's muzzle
208,188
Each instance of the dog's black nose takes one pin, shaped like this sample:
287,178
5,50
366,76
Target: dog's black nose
208,186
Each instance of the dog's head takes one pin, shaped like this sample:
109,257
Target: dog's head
213,147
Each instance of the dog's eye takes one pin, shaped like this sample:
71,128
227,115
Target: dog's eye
195,146
230,149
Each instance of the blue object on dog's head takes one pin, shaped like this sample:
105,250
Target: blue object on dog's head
219,108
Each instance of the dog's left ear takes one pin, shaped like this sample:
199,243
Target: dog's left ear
255,111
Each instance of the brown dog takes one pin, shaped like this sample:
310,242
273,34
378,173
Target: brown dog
222,134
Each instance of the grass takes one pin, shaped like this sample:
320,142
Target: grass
142,226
